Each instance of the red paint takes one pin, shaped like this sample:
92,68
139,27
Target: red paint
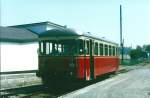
83,67
80,67
102,65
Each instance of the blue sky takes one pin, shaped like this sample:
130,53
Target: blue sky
101,17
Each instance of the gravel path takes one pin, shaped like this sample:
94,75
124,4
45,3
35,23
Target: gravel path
18,80
133,84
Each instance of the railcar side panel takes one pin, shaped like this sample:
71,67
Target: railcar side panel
87,68
104,65
80,67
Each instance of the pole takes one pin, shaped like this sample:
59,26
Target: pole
121,41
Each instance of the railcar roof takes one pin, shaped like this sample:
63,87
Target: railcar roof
69,33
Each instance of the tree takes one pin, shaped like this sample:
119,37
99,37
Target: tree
144,54
138,53
148,48
135,54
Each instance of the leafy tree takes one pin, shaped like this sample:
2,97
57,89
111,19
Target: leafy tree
148,48
144,54
134,54
138,53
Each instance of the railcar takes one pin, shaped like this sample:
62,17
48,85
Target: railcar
69,54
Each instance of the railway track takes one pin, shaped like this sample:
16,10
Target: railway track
21,91
18,72
34,91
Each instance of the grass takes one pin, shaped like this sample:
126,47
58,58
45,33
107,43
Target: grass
130,62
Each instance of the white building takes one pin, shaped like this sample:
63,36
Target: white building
18,49
19,45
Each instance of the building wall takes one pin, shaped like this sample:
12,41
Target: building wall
19,57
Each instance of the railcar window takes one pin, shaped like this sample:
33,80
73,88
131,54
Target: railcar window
106,50
59,48
96,49
56,48
110,51
87,47
114,51
81,48
41,47
47,48
101,49
50,47
62,48
117,51
44,47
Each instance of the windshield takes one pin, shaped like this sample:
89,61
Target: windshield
59,47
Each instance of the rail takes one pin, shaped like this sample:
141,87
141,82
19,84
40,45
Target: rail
18,72
23,91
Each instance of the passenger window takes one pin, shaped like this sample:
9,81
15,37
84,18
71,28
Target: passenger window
47,48
44,47
117,51
81,47
59,48
101,49
50,47
106,50
41,47
87,47
114,51
96,49
110,51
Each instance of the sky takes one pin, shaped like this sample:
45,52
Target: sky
100,17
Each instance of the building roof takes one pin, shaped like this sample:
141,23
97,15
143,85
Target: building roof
39,27
39,23
30,32
19,35
26,32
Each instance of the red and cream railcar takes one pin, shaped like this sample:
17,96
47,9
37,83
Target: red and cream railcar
75,55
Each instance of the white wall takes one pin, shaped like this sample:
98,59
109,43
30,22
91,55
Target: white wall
18,57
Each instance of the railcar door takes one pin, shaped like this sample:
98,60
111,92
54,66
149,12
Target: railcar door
91,59
86,62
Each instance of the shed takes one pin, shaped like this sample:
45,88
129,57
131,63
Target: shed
18,49
19,45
